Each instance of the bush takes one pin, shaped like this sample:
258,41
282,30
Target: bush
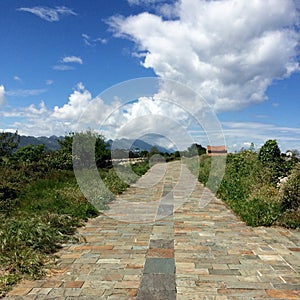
205,164
258,212
269,152
241,172
249,185
290,195
290,199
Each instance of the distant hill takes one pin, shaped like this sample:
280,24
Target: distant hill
130,144
51,143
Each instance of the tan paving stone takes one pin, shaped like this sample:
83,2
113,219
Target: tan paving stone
160,252
19,291
74,284
281,294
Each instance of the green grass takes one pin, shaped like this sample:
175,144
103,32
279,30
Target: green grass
250,189
40,212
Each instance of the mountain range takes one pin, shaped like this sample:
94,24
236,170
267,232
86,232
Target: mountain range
51,143
131,144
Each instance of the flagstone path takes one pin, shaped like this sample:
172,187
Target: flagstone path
167,237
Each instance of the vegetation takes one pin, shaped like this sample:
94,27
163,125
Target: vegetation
251,185
41,204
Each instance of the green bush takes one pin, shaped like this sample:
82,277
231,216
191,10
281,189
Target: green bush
241,172
205,164
290,194
249,186
140,168
290,199
269,152
258,212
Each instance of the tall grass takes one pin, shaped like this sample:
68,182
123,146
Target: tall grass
39,211
250,188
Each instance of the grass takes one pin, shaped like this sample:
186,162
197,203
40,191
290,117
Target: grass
38,215
250,188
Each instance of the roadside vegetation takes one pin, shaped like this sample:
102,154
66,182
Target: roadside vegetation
41,205
262,188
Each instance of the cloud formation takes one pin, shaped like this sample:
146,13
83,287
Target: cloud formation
2,95
135,119
72,59
25,93
49,82
63,68
49,14
89,41
228,51
78,101
17,78
144,2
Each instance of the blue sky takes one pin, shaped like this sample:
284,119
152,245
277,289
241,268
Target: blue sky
56,57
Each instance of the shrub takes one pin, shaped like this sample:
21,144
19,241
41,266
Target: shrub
290,194
240,175
269,152
259,212
205,164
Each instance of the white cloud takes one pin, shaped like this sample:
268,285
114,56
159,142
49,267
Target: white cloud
2,95
17,78
63,68
25,93
239,133
144,2
49,82
78,101
93,41
228,51
49,14
146,116
72,59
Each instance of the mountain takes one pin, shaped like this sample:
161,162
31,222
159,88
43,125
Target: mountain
130,144
51,143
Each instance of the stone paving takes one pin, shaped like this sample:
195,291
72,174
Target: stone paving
161,241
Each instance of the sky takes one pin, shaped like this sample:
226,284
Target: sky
219,72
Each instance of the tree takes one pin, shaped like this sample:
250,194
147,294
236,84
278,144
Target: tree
8,143
177,154
269,152
82,145
153,151
194,150
144,153
30,153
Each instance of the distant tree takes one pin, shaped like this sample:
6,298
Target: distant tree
176,154
85,142
195,149
153,151
144,153
269,152
8,143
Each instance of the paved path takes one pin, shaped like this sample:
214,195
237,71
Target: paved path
161,242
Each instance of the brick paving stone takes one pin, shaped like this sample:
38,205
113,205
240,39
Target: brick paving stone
158,229
160,252
282,294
